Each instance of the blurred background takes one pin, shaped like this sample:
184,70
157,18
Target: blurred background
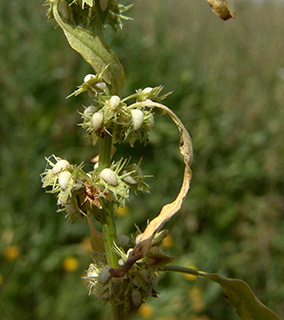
228,83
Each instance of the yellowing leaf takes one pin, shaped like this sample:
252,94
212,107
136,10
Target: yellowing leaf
220,8
168,210
95,51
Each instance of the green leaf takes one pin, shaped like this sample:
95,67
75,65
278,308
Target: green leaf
237,292
94,51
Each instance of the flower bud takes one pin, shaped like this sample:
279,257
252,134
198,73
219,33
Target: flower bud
130,180
105,274
136,298
97,120
64,10
147,90
100,86
90,110
64,179
123,241
137,118
59,166
109,176
114,102
88,77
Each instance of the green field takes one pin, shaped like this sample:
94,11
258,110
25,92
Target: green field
228,88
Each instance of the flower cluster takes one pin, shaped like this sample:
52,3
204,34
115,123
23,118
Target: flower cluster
79,192
138,284
109,114
86,13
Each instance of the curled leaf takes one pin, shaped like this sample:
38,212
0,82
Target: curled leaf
94,51
220,8
168,210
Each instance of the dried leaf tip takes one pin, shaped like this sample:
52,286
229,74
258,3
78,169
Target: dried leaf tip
220,8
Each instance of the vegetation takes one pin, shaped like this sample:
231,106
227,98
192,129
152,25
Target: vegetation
227,86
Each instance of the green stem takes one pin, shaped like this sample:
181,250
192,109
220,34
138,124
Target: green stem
108,224
181,269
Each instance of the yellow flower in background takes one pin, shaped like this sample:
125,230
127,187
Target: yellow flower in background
196,296
146,311
202,317
11,253
70,264
121,212
168,242
167,318
86,243
190,277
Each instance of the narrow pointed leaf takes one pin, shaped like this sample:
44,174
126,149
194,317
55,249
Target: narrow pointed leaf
95,51
239,294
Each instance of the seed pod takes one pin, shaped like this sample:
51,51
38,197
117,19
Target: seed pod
103,5
130,180
147,89
109,176
63,9
90,110
137,118
123,241
59,166
136,298
100,86
97,120
114,102
64,179
105,274
145,274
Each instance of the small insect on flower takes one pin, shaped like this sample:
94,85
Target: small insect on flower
109,176
114,102
59,166
137,118
64,179
97,120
